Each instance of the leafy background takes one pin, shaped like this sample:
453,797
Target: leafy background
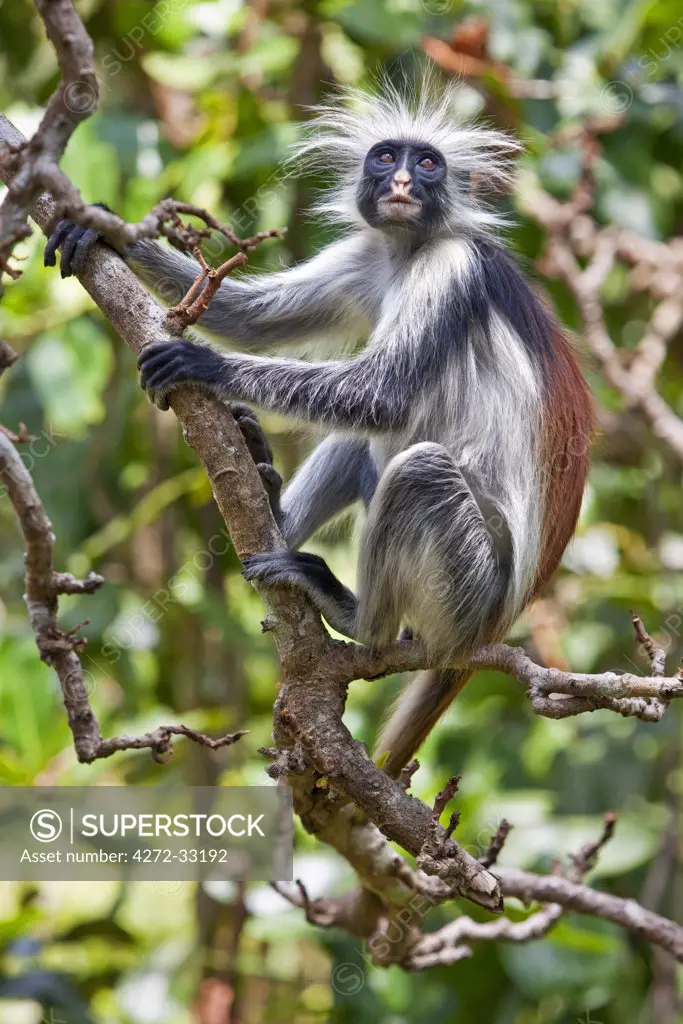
200,100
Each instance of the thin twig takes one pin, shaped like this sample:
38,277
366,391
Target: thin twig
406,774
203,289
441,802
656,654
497,844
586,859
159,741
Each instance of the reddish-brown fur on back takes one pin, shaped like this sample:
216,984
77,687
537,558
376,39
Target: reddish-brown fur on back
568,425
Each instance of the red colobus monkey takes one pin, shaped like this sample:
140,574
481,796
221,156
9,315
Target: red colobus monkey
463,422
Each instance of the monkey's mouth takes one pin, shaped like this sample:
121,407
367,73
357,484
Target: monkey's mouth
400,197
399,206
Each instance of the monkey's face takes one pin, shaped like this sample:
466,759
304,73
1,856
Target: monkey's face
403,185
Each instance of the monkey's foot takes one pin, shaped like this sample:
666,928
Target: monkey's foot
294,569
262,454
311,574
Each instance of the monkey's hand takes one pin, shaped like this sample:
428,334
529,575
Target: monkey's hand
76,243
165,365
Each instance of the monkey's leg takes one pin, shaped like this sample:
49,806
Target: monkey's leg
435,555
430,558
336,474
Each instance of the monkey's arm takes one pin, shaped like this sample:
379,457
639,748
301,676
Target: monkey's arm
327,294
367,392
374,391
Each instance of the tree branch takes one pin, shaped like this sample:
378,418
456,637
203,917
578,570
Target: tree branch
644,697
35,164
627,913
557,893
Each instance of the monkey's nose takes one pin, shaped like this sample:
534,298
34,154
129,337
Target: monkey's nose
402,182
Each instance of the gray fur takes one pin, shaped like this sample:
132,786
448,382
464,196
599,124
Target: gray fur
340,471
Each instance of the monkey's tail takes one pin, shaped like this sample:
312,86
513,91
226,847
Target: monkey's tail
418,710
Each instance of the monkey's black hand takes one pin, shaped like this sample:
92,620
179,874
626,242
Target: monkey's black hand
75,242
166,365
262,454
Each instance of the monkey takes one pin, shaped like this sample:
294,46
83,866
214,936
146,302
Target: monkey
459,416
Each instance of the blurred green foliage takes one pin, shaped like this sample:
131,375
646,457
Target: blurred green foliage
200,100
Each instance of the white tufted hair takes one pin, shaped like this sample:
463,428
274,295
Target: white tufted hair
344,128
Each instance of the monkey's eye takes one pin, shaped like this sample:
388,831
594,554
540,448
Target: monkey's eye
386,157
427,163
